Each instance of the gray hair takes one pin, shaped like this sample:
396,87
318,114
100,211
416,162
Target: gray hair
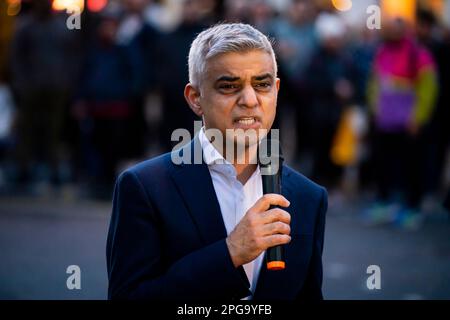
224,38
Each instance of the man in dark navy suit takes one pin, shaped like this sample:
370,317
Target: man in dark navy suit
199,230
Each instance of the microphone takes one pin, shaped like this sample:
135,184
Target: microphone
270,163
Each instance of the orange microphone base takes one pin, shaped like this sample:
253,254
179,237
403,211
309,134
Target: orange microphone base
276,265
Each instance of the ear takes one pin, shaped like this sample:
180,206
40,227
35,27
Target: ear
277,84
192,96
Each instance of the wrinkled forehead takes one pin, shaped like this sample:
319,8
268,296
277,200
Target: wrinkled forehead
245,64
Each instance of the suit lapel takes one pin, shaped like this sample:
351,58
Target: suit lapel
196,188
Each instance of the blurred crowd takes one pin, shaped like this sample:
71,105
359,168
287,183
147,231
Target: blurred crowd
367,106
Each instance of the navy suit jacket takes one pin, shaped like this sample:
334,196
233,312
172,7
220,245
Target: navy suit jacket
167,237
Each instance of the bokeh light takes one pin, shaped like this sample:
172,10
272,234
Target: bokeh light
68,5
342,5
14,7
96,5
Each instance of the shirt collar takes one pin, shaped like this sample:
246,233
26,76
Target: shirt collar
215,160
210,153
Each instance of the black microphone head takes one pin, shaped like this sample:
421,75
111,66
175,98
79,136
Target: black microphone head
270,156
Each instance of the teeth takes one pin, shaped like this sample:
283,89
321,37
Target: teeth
246,121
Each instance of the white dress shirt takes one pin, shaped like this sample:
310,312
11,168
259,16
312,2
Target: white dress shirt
234,198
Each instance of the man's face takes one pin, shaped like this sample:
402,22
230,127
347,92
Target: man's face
239,91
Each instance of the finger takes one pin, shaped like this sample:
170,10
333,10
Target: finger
269,199
277,227
275,214
275,240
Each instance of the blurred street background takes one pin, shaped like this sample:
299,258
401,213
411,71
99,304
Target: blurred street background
88,88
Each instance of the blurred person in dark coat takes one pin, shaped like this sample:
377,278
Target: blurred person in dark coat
7,119
261,15
142,37
436,38
331,88
43,65
104,104
237,10
296,43
174,50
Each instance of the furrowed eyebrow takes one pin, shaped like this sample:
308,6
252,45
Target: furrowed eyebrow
227,79
257,78
264,77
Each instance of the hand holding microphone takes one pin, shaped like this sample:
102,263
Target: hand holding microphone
265,226
261,228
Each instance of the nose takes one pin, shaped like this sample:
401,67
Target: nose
248,98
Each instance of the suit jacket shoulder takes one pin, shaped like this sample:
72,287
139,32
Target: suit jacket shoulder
308,200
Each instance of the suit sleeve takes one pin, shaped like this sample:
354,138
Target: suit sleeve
135,260
312,288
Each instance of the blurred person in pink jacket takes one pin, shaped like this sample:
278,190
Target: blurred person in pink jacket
402,95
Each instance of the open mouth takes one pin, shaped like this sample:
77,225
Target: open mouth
246,121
